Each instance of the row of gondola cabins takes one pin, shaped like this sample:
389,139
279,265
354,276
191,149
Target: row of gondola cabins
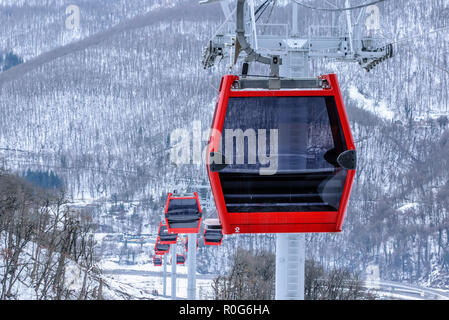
183,215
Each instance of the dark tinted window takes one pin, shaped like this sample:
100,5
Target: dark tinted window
163,231
308,128
157,261
183,206
162,247
213,235
310,138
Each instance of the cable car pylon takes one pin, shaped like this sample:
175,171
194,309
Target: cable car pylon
164,282
191,267
310,188
173,271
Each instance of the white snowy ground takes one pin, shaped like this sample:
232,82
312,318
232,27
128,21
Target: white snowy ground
376,107
145,278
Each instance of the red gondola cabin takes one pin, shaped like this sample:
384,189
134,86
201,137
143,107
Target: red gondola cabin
180,259
165,237
213,235
183,213
306,160
157,261
161,249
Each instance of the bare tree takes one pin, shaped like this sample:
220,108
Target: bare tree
335,284
40,236
252,277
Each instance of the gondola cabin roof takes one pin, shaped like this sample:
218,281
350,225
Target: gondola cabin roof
183,213
302,176
165,237
161,249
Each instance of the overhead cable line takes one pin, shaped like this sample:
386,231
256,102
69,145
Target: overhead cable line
421,35
338,9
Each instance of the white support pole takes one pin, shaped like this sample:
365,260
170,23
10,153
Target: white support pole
165,276
253,23
349,23
295,20
191,278
173,271
290,257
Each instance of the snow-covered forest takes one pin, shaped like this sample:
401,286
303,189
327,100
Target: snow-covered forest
93,107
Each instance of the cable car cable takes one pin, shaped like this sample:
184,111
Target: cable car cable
338,9
266,5
415,51
261,7
421,35
271,11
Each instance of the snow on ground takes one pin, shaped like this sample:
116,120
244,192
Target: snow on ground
378,108
141,280
144,287
408,206
108,265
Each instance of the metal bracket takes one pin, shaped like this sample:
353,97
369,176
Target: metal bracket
302,83
214,50
347,47
369,64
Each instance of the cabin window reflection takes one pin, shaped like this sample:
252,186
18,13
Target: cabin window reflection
309,134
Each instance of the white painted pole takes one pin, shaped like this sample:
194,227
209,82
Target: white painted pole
191,278
290,257
295,20
173,271
165,276
349,23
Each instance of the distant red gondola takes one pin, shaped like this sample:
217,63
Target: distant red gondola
157,260
165,237
213,235
161,249
180,259
183,213
308,187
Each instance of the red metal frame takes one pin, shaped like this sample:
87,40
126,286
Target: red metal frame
165,242
277,222
183,230
208,243
160,252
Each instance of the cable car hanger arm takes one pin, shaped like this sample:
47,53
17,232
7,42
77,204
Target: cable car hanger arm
364,50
